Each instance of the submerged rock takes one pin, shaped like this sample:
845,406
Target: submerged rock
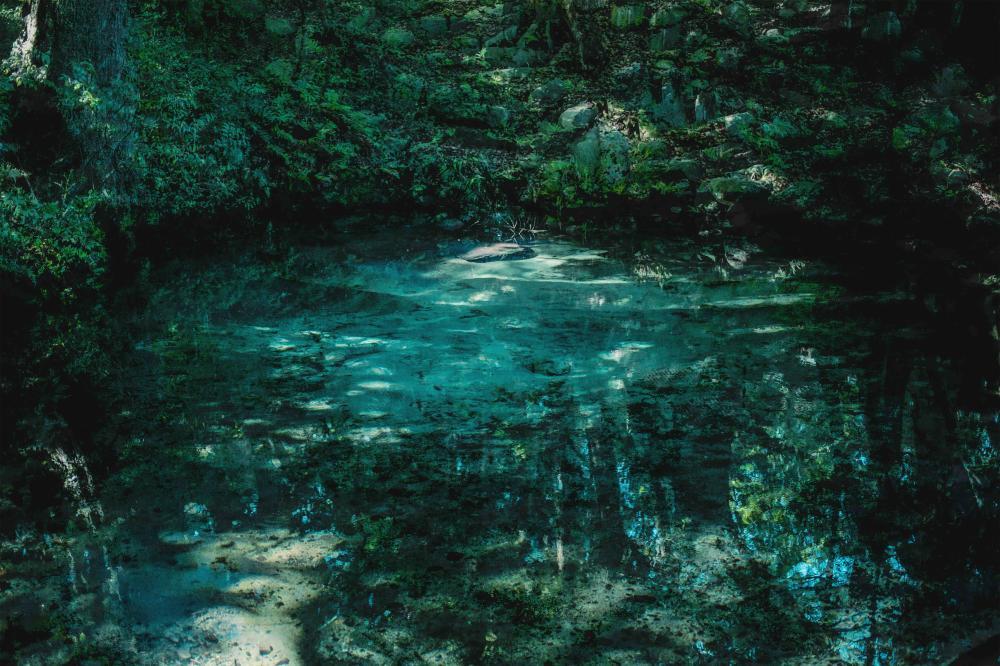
198,517
451,224
498,252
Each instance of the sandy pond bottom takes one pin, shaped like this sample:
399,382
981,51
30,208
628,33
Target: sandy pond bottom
380,452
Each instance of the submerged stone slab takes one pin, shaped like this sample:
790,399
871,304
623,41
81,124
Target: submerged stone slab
498,252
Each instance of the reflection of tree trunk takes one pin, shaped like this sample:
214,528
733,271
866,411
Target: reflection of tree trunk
940,440
608,530
606,499
885,408
885,403
872,642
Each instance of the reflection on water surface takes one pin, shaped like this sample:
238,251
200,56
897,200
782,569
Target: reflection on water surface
379,452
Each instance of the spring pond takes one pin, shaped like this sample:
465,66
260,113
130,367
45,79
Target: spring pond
374,451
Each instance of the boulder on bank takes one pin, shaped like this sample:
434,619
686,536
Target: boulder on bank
578,117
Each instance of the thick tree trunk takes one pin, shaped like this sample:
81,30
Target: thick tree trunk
91,31
89,50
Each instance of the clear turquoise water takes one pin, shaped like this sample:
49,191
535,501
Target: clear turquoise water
373,451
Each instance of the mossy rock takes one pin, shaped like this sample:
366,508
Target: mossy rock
734,189
728,58
407,89
434,25
626,17
670,108
510,74
684,167
736,17
398,38
665,39
361,20
501,55
738,124
549,93
281,27
497,116
578,117
670,16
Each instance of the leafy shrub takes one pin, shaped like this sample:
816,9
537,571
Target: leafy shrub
195,152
